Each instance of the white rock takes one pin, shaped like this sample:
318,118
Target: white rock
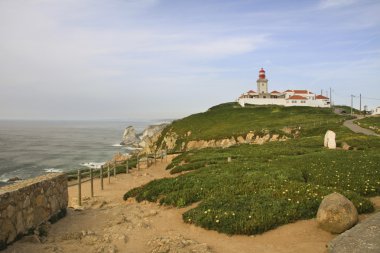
329,141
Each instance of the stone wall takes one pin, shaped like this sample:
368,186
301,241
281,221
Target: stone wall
27,204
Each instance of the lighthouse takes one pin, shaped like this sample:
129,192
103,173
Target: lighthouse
262,83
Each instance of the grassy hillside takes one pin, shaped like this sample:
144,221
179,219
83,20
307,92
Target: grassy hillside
230,119
268,185
372,123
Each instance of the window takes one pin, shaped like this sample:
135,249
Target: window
303,102
294,101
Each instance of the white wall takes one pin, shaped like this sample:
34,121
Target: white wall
283,102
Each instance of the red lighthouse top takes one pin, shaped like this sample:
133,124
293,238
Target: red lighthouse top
262,73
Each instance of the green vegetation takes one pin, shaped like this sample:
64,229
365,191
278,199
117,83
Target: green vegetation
265,186
230,119
371,123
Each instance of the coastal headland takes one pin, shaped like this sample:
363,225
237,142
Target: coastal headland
237,180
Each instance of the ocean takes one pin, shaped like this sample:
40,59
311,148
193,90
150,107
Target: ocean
31,148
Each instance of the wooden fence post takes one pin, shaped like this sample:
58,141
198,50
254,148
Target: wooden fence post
92,183
138,163
114,170
155,160
127,167
101,177
79,188
109,174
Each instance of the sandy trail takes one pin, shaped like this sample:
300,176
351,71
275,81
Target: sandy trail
110,224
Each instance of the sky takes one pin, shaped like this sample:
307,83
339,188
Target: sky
155,59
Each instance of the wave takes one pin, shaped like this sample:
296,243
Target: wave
117,145
132,148
93,165
53,170
4,180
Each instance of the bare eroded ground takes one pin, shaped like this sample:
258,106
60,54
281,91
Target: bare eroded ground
110,224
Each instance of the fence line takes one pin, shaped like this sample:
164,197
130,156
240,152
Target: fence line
91,173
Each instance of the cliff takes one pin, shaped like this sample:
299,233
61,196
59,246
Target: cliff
229,124
129,136
145,140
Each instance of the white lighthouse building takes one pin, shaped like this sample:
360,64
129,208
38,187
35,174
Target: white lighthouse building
285,98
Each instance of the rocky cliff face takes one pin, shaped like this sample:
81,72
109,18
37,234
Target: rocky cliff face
129,136
172,141
150,136
146,140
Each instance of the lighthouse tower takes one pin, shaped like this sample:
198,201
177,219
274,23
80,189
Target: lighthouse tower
262,83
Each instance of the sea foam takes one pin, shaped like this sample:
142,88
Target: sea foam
93,165
53,170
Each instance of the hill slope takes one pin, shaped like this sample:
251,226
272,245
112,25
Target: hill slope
230,120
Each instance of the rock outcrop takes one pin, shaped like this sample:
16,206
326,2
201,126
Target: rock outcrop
129,136
150,136
171,141
171,138
329,141
146,140
152,130
336,213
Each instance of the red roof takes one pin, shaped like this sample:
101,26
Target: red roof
297,97
321,97
288,91
301,91
251,91
275,92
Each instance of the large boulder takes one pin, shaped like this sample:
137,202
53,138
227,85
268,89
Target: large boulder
329,141
336,213
129,136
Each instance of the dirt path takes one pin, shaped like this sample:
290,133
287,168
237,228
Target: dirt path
109,224
358,129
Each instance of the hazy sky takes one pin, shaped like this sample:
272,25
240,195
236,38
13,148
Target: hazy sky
144,59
